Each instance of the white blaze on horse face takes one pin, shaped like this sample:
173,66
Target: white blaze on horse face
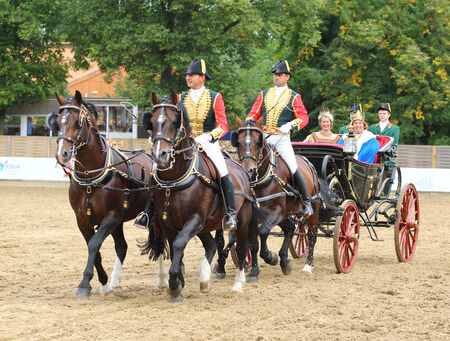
205,271
60,146
158,146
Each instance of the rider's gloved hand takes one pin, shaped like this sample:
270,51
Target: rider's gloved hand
203,138
286,128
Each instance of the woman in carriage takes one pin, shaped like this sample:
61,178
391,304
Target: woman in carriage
326,135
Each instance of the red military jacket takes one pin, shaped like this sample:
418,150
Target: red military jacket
288,108
208,115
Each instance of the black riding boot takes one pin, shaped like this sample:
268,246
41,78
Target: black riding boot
301,187
143,219
230,207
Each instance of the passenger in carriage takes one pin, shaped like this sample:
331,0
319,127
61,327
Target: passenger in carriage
326,135
367,144
355,107
283,111
386,128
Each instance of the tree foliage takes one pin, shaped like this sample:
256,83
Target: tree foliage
382,51
31,64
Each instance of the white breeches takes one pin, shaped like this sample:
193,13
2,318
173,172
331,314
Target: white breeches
215,154
282,143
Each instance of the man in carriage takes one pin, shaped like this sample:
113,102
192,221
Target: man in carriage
367,144
355,107
386,128
206,111
283,111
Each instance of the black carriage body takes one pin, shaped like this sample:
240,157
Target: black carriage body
350,178
364,197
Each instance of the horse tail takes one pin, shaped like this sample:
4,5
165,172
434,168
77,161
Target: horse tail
263,216
154,246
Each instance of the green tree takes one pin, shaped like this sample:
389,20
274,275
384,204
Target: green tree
155,41
382,51
31,64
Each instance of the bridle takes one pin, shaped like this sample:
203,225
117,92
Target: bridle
248,141
83,119
180,133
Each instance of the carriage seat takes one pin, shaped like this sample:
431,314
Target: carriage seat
386,151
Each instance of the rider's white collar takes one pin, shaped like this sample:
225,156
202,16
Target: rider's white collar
195,94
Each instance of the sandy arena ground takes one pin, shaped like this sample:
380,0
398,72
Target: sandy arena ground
43,256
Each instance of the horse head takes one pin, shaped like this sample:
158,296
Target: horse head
74,116
249,142
169,125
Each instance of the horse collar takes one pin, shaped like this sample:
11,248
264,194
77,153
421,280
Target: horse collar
185,180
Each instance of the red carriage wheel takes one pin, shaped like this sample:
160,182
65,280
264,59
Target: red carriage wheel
235,258
346,237
406,228
299,243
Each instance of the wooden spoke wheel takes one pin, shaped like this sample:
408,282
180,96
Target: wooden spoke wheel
406,228
235,258
346,237
299,243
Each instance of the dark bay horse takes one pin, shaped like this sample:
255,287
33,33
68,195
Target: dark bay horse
187,200
270,179
107,186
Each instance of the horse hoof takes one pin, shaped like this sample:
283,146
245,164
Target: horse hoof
117,291
105,289
205,287
83,292
287,269
251,279
220,275
176,299
272,259
307,270
175,293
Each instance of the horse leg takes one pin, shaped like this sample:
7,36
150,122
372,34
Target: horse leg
94,244
162,273
121,247
241,249
87,233
252,277
312,238
209,244
176,280
268,256
222,254
288,229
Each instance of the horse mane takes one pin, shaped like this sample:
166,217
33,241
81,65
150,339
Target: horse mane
89,106
250,123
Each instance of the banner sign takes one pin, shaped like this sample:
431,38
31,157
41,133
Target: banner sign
33,168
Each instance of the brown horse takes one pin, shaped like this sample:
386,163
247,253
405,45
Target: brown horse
187,200
270,179
107,186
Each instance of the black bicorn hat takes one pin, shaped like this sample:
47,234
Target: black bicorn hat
385,106
198,67
282,67
355,107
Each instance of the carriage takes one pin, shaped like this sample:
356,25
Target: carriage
363,194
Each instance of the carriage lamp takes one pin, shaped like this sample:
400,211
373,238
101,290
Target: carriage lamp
350,142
